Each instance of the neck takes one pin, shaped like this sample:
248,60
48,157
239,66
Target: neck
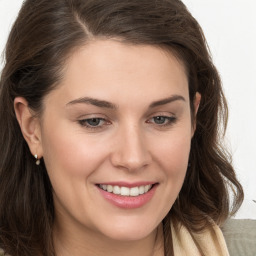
68,241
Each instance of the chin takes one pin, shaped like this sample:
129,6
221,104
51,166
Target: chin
126,236
129,230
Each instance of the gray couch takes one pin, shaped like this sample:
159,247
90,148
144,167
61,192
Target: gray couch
240,236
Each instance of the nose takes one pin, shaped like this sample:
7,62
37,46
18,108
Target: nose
130,151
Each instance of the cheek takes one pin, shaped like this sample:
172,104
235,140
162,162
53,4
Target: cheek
70,154
172,153
71,159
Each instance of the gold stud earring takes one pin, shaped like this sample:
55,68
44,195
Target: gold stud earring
37,160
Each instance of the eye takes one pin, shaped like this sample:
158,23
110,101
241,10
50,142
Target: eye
160,119
93,122
163,120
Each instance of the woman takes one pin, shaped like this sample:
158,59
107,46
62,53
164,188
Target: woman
111,118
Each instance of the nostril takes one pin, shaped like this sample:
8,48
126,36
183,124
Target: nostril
130,162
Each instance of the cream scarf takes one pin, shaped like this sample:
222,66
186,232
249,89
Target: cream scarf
208,243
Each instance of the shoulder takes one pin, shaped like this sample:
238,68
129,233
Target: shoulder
240,236
208,242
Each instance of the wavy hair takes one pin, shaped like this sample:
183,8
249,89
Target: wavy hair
41,40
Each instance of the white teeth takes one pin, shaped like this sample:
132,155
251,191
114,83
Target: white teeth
109,188
134,191
116,190
125,191
147,188
142,190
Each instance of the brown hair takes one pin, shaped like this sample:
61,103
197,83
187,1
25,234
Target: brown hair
40,41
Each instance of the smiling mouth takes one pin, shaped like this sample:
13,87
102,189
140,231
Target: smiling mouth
126,191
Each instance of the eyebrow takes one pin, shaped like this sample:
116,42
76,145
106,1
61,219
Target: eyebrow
95,102
166,101
106,104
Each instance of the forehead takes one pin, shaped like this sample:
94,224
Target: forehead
107,68
115,55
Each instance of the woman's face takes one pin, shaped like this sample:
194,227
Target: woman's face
119,122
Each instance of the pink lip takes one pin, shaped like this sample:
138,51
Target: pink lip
128,202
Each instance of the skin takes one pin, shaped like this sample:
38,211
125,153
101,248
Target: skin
127,144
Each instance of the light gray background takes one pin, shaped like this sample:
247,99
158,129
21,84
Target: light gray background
230,29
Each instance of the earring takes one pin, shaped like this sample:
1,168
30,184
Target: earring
37,160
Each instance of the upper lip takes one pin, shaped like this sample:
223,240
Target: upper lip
128,184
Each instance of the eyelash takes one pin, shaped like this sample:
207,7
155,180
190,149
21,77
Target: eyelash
168,121
85,123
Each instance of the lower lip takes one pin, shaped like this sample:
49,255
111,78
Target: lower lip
128,202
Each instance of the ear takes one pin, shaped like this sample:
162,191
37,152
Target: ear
29,125
196,103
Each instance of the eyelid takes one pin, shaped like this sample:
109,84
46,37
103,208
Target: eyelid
164,114
84,122
91,115
170,118
167,117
